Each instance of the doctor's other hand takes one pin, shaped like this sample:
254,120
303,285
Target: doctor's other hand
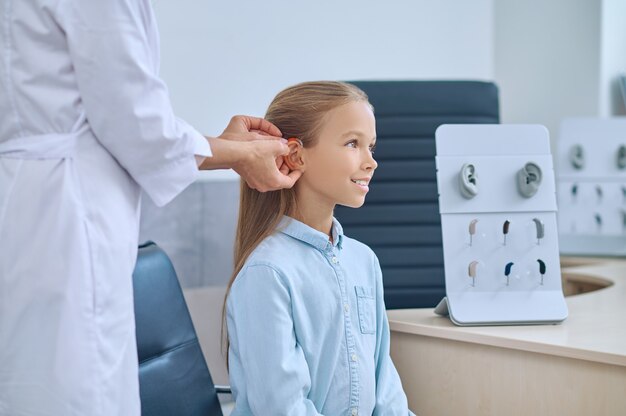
259,162
264,169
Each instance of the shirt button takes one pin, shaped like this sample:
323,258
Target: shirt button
354,357
355,412
335,260
346,307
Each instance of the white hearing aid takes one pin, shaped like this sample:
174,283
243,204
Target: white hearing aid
529,179
468,181
577,157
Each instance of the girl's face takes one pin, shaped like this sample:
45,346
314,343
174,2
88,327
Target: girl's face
338,168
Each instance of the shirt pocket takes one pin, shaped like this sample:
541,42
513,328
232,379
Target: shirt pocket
366,305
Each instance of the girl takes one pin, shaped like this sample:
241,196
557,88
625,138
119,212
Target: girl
305,312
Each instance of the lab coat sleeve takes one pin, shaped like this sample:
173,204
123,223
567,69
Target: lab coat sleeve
113,47
390,397
267,364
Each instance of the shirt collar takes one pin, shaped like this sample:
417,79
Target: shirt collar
309,235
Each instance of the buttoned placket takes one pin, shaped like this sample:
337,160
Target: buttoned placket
332,254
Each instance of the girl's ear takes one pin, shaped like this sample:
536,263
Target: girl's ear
294,159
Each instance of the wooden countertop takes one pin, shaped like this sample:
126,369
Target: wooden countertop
595,329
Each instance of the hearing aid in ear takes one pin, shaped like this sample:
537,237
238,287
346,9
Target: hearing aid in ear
288,161
296,140
471,271
468,181
472,229
505,229
507,271
529,179
621,157
542,269
577,157
540,229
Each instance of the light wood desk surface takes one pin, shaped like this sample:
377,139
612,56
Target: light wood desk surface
533,369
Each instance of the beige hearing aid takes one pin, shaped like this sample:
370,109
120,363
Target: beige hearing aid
577,157
529,179
472,230
468,181
471,271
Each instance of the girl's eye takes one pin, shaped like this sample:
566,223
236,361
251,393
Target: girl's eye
372,149
352,143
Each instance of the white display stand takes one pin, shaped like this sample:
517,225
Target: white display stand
592,196
498,152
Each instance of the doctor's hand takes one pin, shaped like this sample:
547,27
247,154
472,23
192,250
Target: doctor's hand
246,128
254,149
263,167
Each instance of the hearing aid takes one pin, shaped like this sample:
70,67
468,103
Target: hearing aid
296,140
507,271
598,219
542,269
468,181
577,157
505,229
471,271
621,157
540,229
529,179
472,230
288,162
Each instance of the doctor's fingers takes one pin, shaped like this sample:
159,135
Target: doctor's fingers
280,180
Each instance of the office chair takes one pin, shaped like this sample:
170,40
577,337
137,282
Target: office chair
400,218
173,376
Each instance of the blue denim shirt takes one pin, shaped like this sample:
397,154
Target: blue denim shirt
308,330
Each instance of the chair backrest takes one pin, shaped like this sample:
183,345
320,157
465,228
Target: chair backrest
173,376
400,219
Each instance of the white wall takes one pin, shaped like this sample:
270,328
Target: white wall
546,60
556,59
612,57
226,58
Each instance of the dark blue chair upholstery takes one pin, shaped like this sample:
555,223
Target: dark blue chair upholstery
400,219
173,376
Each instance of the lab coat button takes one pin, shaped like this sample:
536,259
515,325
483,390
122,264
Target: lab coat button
335,260
346,307
354,357
355,412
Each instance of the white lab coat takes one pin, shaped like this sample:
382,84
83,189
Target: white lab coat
85,124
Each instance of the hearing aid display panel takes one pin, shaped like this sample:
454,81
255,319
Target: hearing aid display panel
591,187
501,253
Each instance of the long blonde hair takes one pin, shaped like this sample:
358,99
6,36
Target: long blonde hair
297,111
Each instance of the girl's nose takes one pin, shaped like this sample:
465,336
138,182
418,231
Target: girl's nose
370,163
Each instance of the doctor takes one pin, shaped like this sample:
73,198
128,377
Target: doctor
85,124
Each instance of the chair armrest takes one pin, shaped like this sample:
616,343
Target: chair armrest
222,389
